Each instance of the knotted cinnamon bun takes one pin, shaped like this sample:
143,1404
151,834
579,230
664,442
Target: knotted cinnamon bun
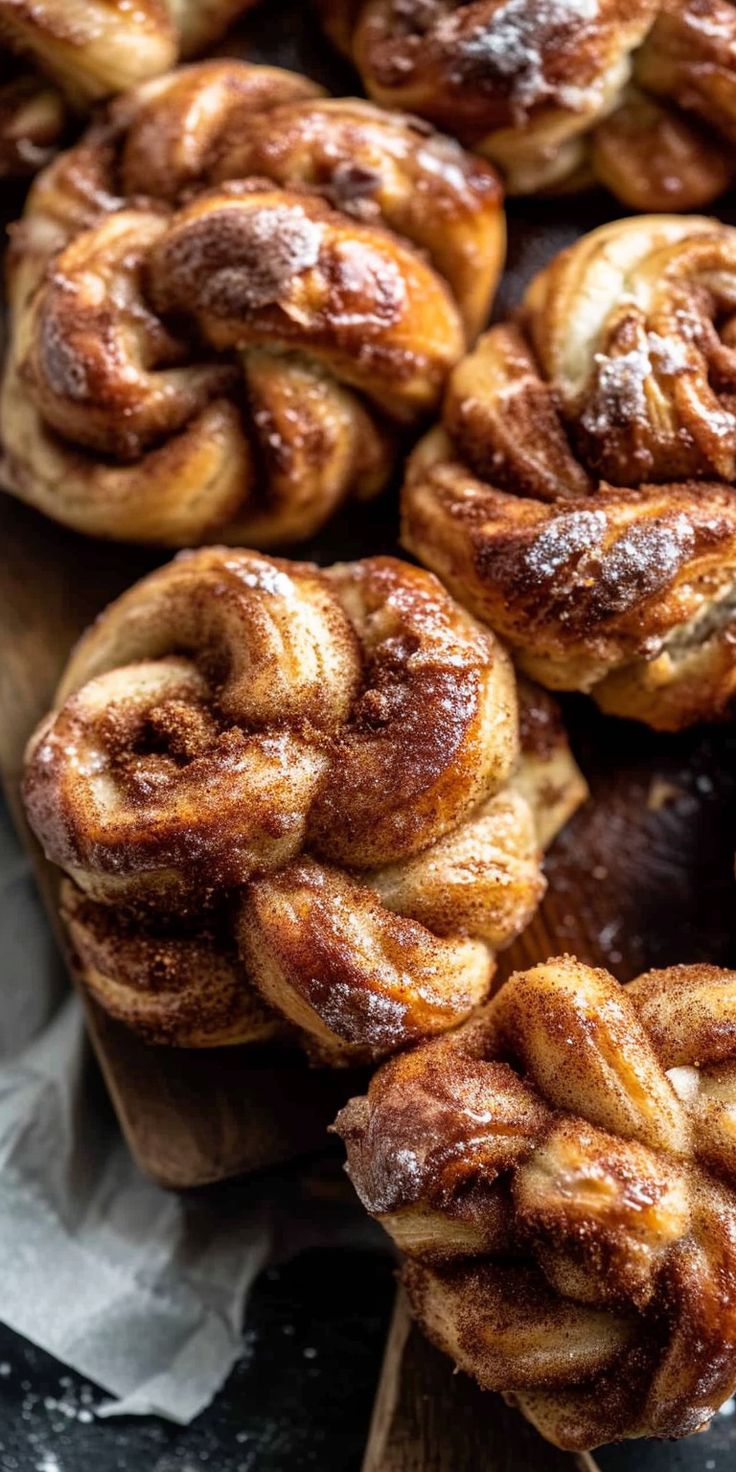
230,300
280,792
580,496
84,50
562,1177
637,94
32,118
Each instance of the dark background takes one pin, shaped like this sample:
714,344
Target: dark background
300,1397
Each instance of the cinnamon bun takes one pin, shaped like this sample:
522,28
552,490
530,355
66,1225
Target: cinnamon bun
231,300
639,95
579,496
561,1177
78,51
292,797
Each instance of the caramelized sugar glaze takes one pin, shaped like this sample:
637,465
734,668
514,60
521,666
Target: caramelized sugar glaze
285,795
579,496
84,50
560,1174
639,95
231,299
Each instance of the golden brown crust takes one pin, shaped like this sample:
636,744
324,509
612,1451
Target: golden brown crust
32,119
191,990
689,57
682,165
499,75
561,1176
269,779
76,53
545,88
358,980
427,738
230,299
580,497
98,47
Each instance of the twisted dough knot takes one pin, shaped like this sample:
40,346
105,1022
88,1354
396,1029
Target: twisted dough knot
561,1175
229,300
263,775
103,46
32,118
639,94
580,497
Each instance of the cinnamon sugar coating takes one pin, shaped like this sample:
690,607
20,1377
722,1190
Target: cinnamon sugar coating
639,95
579,497
560,1174
77,51
231,300
280,792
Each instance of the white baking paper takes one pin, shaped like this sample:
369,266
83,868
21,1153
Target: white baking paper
139,1290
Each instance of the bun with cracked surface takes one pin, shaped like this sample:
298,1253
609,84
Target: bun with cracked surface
561,1176
580,495
230,300
280,792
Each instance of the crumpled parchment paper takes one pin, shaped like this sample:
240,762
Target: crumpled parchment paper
139,1290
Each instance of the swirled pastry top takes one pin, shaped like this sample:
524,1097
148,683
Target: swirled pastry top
580,495
260,775
562,1177
638,94
230,299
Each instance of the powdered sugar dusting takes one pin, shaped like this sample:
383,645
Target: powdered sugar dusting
512,45
563,539
668,353
619,390
261,575
619,395
719,23
642,561
366,1016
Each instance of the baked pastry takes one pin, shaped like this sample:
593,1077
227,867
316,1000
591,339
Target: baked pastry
580,496
639,95
32,119
84,50
230,299
561,1174
268,780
